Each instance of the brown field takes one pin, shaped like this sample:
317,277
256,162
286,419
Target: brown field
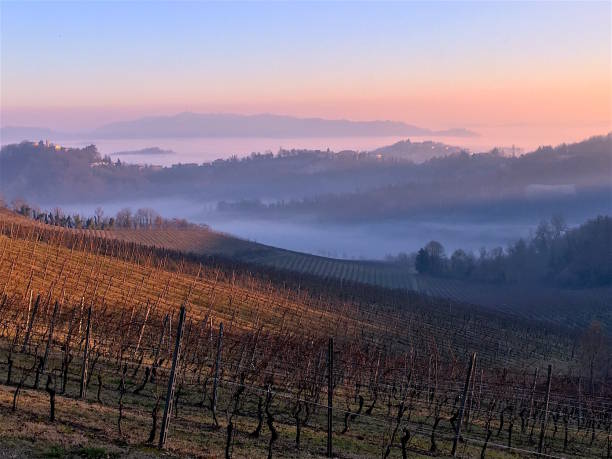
399,372
574,308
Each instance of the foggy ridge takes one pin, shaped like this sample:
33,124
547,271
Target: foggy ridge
231,125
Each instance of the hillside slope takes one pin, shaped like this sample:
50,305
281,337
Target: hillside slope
68,297
572,307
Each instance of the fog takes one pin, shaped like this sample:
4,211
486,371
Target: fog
350,241
199,150
372,241
340,205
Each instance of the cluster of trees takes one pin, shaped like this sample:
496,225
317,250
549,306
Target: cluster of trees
40,172
143,218
578,257
567,179
338,186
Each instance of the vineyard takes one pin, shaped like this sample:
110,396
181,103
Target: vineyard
574,308
139,346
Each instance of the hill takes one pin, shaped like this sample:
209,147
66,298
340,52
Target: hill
387,346
417,152
568,179
262,125
575,307
344,188
231,125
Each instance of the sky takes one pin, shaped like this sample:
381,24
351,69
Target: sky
438,65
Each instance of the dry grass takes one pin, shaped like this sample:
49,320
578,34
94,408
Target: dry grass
81,430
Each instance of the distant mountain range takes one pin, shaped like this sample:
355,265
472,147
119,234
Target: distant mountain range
229,125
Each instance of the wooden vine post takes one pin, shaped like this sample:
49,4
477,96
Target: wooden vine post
466,387
49,341
83,386
533,387
30,324
217,366
330,395
171,380
545,418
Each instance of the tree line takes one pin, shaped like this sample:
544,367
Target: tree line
143,218
553,253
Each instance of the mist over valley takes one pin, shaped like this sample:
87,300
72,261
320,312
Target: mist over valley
346,204
306,229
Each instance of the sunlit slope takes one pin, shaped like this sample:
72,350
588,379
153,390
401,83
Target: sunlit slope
569,307
270,318
29,267
202,241
60,264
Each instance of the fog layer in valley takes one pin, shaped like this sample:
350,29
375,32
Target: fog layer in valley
347,204
198,149
373,240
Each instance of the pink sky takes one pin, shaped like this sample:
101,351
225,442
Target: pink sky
539,71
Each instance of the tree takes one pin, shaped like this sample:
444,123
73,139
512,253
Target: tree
437,257
543,237
145,217
461,264
421,262
22,207
558,226
99,213
435,250
123,219
431,259
58,215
